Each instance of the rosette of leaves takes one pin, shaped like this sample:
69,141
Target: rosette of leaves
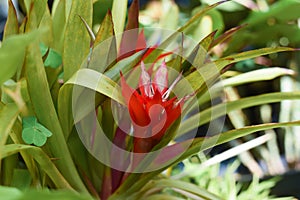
64,162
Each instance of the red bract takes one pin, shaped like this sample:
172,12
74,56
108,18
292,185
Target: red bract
151,109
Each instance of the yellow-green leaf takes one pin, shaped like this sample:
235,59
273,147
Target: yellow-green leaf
77,39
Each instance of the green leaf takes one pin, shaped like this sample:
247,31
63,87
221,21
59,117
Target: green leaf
98,82
76,38
41,158
184,186
53,60
213,70
206,143
221,109
257,75
46,24
90,79
38,17
252,54
44,49
161,197
226,35
130,34
170,17
8,115
210,22
178,34
104,52
12,53
35,9
248,77
59,25
16,136
21,179
197,145
198,15
106,29
33,132
119,10
290,8
199,53
266,27
11,193
88,29
12,24
46,114
124,65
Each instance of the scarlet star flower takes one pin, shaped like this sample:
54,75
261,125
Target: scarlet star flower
151,109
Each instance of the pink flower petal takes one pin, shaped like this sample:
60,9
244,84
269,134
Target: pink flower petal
145,82
161,78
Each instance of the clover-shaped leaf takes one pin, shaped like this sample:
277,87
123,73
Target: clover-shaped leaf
44,49
53,59
33,132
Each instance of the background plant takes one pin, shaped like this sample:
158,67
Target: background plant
47,44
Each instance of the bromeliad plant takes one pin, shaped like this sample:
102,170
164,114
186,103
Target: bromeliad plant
38,102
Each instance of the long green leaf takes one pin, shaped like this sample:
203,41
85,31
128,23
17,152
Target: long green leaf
257,75
199,53
44,161
12,53
12,24
164,45
104,51
198,15
11,193
213,70
221,109
253,54
161,197
46,114
77,39
98,82
248,77
16,136
124,65
106,29
59,25
196,145
8,115
208,142
119,10
35,10
46,24
184,186
90,79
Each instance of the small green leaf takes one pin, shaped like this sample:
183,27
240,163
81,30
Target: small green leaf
43,49
33,132
54,59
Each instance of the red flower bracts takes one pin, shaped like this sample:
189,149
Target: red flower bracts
151,109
